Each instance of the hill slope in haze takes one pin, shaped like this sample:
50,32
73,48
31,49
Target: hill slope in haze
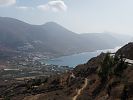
50,37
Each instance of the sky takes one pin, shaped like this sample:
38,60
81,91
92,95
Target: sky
80,16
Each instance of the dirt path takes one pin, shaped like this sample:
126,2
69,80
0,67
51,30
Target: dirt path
81,89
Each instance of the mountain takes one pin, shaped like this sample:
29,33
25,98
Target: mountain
123,38
99,40
50,38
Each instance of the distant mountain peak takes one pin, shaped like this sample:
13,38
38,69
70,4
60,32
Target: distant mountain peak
51,24
55,26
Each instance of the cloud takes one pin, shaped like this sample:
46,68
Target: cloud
56,6
7,2
24,8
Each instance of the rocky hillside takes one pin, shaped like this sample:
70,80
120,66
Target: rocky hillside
127,51
105,77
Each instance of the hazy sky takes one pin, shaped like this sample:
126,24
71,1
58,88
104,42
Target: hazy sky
81,16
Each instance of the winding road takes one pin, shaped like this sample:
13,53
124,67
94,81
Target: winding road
81,89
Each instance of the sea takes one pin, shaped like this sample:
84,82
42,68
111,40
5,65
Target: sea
76,59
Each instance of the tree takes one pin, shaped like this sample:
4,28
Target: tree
106,67
121,65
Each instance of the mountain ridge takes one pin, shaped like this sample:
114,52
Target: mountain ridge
50,37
